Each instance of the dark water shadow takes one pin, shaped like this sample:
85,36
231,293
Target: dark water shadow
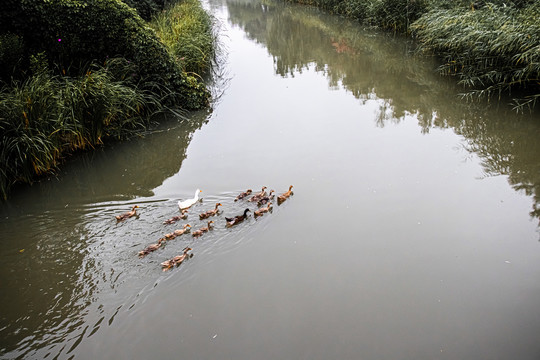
58,231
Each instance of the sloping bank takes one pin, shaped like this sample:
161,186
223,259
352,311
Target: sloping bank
78,73
493,48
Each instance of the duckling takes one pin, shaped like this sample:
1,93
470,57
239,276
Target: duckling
243,195
151,248
209,213
202,230
266,199
177,260
237,219
128,214
258,196
189,202
281,198
177,232
263,210
176,218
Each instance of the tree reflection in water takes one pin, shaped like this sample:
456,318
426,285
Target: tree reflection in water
373,65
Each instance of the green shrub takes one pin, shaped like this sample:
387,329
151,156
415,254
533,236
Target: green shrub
94,30
146,8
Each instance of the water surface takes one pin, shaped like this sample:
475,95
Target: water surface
412,232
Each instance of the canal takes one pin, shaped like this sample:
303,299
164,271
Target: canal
412,231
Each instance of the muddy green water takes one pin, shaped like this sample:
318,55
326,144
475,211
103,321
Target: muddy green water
412,232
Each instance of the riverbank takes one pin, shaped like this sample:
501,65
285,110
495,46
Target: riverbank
491,48
98,73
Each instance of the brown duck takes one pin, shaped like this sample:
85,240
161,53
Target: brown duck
237,219
128,214
244,194
177,232
258,196
209,213
177,260
176,218
202,230
281,198
266,199
263,210
151,248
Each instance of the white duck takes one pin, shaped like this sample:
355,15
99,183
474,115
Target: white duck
187,203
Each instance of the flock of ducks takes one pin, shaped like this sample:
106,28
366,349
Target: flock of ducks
261,198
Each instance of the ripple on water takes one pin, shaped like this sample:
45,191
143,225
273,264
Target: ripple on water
84,268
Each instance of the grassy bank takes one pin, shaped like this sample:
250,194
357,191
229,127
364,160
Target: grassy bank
98,73
493,48
187,31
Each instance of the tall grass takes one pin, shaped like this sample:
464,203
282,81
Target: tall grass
46,117
493,47
493,50
187,30
394,15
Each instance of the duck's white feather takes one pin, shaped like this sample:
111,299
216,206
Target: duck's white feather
189,202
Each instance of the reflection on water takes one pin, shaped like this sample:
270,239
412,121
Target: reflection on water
388,246
61,235
372,65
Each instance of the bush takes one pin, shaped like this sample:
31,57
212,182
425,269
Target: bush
146,8
94,30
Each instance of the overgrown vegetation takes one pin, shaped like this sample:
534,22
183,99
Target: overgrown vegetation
96,72
186,29
492,47
493,50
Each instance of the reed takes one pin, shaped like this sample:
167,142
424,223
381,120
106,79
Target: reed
46,117
187,31
395,15
492,50
492,47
